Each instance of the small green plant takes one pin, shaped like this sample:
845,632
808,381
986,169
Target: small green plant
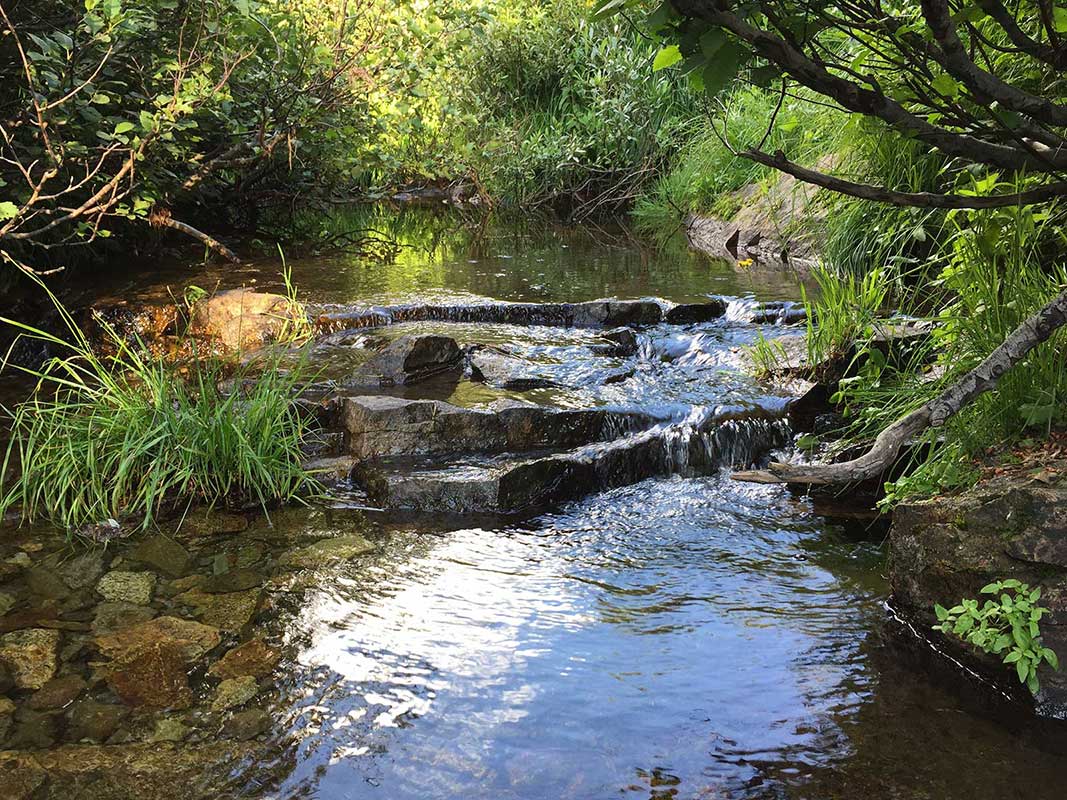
767,355
1007,625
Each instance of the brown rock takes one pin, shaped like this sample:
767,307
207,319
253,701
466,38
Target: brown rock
243,320
254,657
155,677
229,612
57,693
191,639
94,721
111,617
32,655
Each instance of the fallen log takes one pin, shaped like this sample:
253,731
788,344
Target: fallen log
933,414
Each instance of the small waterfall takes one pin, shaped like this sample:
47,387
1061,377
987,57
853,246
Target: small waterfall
749,311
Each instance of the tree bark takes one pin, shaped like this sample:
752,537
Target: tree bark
1032,332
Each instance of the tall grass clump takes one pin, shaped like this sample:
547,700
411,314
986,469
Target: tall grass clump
131,436
860,234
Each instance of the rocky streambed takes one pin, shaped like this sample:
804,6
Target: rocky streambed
531,577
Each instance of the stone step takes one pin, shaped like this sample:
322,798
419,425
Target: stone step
591,314
508,485
379,425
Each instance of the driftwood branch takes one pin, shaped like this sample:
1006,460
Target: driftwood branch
1032,332
162,219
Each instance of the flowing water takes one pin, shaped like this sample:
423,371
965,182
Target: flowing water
683,636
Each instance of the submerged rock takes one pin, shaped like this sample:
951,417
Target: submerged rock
170,729
83,570
127,587
326,552
248,724
163,553
45,583
234,692
410,359
32,730
108,772
192,639
7,602
229,612
255,657
32,654
57,693
95,721
111,617
243,320
7,678
155,676
496,368
235,580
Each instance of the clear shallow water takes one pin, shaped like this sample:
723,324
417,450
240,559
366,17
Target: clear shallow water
681,637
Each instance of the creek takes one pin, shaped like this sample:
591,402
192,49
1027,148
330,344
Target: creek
675,635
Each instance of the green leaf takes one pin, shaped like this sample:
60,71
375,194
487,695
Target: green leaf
1051,657
147,120
721,70
667,57
124,127
1013,656
945,85
1022,668
941,612
8,210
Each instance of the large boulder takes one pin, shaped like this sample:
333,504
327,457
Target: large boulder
410,359
946,549
242,320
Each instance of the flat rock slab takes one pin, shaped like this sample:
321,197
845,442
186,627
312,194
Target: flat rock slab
521,485
326,551
388,426
592,314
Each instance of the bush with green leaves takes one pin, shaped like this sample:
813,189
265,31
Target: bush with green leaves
1008,625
